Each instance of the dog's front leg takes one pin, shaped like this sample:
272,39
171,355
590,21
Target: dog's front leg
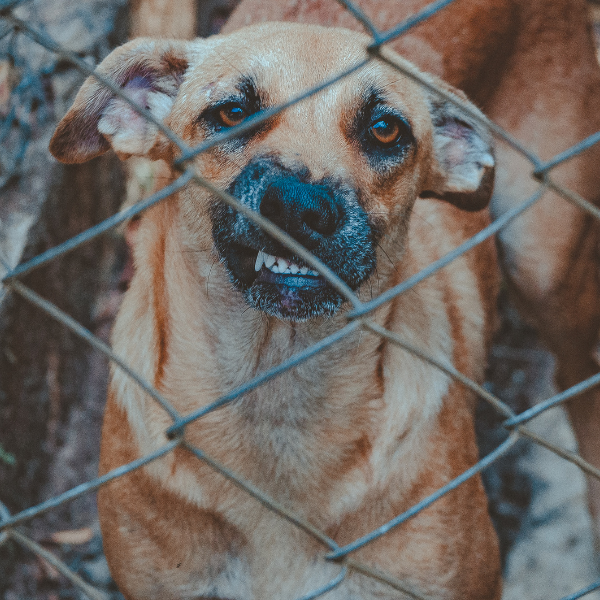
158,545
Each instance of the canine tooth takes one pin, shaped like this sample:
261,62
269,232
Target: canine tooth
282,264
304,271
270,260
294,268
260,258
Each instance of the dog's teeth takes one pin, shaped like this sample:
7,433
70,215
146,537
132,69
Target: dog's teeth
280,265
259,261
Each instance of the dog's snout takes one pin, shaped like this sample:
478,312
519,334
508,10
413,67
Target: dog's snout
323,215
304,210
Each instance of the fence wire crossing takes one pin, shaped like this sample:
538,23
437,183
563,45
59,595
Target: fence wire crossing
358,317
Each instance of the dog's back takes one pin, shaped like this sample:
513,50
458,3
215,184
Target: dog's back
531,66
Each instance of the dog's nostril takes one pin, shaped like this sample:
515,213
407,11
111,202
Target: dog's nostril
271,206
323,223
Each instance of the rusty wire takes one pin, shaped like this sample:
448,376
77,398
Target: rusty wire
358,317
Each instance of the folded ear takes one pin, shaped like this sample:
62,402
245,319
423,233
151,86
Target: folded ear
150,73
463,163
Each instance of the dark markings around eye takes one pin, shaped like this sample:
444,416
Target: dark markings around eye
233,109
383,133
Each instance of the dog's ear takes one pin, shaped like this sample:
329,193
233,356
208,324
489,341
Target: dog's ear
463,163
150,73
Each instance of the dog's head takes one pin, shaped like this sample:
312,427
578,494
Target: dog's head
339,171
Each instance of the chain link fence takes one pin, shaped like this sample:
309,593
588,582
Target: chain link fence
14,137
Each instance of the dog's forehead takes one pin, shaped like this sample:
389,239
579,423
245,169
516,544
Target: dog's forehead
286,59
285,48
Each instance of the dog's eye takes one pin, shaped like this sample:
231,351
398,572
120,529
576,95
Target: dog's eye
231,114
387,130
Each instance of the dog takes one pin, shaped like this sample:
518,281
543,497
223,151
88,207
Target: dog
378,178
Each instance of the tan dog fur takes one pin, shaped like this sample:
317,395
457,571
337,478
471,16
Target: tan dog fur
156,18
348,439
531,66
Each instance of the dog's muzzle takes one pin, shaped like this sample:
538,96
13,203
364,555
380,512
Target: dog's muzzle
325,217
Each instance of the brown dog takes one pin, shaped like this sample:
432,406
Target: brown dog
352,437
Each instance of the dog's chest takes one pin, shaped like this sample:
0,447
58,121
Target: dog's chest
307,420
290,433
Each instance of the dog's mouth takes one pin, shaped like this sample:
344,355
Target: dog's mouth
280,286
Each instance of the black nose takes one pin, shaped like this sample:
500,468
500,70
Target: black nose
307,212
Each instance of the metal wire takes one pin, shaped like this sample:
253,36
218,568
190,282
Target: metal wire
253,383
357,317
327,588
86,335
89,590
584,592
435,266
93,232
560,398
85,488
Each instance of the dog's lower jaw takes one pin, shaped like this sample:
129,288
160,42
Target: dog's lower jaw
292,303
324,216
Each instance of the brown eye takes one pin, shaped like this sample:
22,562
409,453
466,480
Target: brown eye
386,131
231,115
